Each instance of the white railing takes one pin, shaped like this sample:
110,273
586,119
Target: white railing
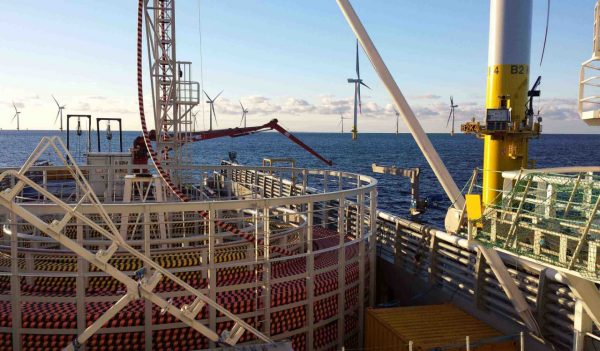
314,220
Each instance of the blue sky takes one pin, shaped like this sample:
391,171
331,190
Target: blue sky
284,59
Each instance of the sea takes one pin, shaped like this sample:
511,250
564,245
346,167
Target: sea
461,154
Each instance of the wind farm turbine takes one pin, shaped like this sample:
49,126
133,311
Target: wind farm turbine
357,101
397,121
195,120
211,102
341,122
244,113
59,114
17,116
451,115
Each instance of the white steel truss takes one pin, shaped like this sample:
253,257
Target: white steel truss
173,93
136,289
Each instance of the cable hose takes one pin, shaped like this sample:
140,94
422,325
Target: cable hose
153,155
546,33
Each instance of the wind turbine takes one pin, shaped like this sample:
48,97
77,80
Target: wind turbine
451,115
397,120
357,101
17,113
341,122
211,102
59,113
195,121
244,113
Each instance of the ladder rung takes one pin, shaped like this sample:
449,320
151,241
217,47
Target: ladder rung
151,282
105,255
59,225
192,310
235,334
10,193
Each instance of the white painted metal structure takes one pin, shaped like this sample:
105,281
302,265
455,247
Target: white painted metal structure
429,151
275,211
144,286
174,94
346,205
589,79
434,160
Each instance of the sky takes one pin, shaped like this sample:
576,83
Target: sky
283,59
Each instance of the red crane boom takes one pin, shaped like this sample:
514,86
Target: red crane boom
238,132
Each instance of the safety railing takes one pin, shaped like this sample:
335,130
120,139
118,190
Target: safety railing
314,295
550,216
451,265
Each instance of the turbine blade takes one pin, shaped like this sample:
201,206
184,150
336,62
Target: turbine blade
208,97
359,99
214,113
57,115
57,104
449,116
361,82
242,106
15,106
216,97
241,120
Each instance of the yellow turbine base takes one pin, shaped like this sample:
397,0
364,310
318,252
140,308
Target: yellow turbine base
507,150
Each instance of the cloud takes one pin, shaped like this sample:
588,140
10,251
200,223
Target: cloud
83,106
31,100
332,106
256,105
297,106
257,99
422,111
427,97
559,109
101,107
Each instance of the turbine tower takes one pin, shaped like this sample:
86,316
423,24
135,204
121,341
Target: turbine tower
341,122
211,102
357,101
451,115
244,113
17,114
59,113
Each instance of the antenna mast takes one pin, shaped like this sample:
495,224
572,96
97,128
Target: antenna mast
173,93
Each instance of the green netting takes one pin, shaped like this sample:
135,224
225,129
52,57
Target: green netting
552,218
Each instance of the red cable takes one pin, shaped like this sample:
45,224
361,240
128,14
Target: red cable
163,174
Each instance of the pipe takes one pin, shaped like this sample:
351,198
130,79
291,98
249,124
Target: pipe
434,160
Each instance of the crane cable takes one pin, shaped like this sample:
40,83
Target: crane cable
546,33
201,63
162,172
